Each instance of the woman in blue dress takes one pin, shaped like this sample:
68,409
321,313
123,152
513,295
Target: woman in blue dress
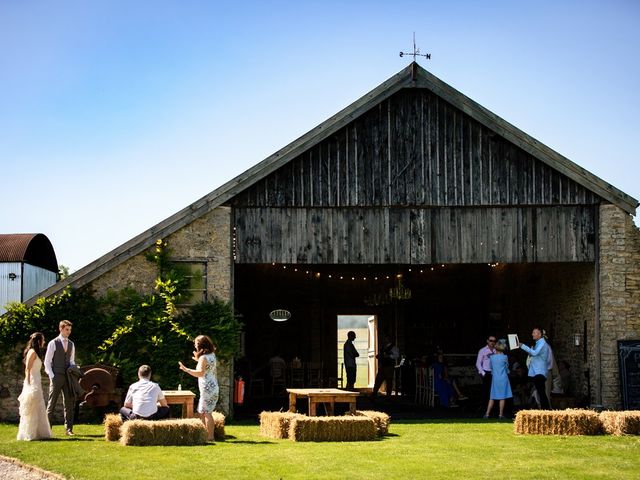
500,387
441,384
205,372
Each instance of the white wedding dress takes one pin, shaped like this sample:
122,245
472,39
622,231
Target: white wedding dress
34,424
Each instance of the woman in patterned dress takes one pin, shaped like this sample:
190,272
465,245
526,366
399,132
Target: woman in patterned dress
205,372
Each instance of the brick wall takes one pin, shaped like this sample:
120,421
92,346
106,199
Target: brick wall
619,294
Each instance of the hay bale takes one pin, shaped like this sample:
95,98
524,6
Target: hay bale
218,425
187,431
621,423
276,424
350,428
557,422
112,423
381,420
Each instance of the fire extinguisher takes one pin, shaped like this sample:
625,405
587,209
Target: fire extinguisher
238,394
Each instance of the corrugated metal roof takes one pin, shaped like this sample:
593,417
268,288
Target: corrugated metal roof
32,248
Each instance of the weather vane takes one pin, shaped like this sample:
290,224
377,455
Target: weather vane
416,51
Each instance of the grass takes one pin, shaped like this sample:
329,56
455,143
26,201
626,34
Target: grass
418,449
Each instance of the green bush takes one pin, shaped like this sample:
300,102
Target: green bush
126,329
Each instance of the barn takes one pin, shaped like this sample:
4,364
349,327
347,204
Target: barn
422,217
28,266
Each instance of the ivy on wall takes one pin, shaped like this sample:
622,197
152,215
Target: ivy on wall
126,328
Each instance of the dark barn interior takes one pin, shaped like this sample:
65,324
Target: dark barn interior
452,307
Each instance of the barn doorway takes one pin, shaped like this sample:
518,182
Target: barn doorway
366,329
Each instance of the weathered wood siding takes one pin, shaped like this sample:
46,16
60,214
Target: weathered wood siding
414,235
414,181
414,149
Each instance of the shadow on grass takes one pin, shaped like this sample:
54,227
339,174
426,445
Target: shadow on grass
450,421
251,442
77,438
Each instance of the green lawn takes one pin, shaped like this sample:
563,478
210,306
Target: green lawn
417,449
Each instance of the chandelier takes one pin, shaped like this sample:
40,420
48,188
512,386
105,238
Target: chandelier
396,293
399,292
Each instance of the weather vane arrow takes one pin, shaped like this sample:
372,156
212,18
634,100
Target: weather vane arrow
416,51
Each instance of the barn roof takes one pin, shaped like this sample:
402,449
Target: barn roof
32,248
413,76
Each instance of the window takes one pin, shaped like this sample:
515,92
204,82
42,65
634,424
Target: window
196,274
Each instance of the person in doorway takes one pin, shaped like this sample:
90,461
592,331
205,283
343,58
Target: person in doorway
143,398
500,387
483,366
539,365
59,358
350,355
387,358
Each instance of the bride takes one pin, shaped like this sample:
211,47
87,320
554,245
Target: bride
34,424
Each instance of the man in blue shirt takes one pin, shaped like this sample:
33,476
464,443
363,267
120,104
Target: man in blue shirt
539,365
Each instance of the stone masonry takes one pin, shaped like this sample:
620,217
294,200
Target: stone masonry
619,294
207,239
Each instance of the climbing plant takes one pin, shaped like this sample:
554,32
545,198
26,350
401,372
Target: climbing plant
126,328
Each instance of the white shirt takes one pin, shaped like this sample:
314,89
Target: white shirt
144,396
51,348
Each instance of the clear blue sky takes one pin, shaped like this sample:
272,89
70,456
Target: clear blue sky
116,114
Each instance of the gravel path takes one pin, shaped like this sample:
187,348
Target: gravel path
12,469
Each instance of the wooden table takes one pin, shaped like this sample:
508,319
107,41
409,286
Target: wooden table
328,396
181,397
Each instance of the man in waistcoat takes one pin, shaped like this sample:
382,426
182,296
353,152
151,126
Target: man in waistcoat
59,357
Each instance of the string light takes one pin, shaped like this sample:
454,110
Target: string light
397,276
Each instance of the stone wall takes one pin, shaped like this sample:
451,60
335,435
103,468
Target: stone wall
206,239
560,298
569,303
11,380
619,294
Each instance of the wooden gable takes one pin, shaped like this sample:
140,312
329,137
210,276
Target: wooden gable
375,126
415,180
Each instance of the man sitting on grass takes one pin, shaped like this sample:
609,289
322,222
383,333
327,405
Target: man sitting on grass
142,399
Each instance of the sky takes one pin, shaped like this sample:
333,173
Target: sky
115,114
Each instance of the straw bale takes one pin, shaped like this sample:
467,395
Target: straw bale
187,431
276,424
218,425
381,419
112,423
557,422
621,423
348,428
